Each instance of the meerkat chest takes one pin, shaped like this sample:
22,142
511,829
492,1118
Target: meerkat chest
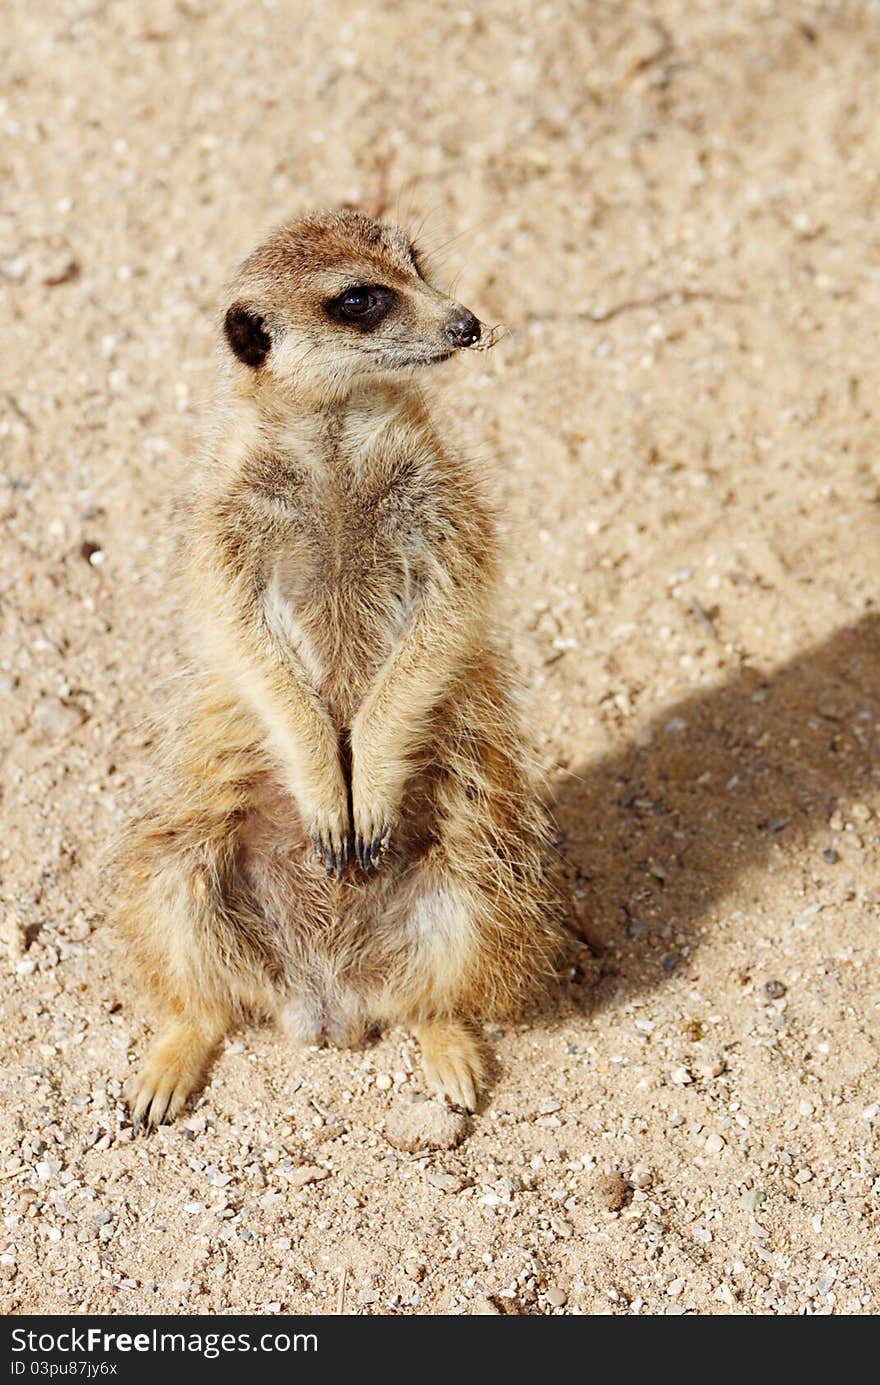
344,586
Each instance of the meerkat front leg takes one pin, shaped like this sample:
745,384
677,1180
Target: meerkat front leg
394,718
273,681
304,740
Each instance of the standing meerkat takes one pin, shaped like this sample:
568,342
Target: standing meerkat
345,833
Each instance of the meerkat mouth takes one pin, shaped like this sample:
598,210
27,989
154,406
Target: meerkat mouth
412,362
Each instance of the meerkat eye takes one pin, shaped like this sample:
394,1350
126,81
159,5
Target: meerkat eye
356,303
363,307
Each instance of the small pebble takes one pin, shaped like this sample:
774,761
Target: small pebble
752,1199
485,1307
714,1144
547,1108
445,1182
612,1192
13,936
774,990
54,718
306,1174
712,1069
557,1298
61,271
425,1125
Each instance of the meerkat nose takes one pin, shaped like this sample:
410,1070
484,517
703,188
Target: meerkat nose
462,328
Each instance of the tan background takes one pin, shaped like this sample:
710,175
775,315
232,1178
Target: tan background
674,207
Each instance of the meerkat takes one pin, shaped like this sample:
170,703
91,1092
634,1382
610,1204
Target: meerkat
344,833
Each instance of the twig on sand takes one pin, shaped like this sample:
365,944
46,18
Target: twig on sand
583,929
703,616
674,297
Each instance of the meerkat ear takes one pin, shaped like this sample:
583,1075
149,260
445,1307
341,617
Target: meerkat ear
247,335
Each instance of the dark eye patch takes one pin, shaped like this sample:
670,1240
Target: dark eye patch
247,335
362,306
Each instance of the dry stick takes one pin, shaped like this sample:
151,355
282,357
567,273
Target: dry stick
583,930
631,305
491,337
703,616
340,1301
18,410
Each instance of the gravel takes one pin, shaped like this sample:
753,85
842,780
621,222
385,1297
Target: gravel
681,431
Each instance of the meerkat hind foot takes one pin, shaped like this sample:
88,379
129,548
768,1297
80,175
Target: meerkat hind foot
175,1067
454,1066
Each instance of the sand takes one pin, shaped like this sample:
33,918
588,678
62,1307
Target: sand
675,209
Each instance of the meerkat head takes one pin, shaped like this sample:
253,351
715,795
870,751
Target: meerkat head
334,298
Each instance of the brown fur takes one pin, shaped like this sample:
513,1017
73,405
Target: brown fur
345,688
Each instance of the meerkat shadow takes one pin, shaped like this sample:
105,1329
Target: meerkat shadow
722,784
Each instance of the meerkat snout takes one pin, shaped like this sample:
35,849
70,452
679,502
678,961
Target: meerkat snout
462,328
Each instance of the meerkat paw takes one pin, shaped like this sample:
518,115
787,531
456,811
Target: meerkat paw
174,1069
453,1062
156,1095
331,840
370,845
377,780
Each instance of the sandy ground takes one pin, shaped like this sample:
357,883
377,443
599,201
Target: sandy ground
676,209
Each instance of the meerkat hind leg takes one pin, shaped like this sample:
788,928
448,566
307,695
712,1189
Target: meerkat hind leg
175,1067
453,1062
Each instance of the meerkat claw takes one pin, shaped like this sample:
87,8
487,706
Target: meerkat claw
370,850
333,858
